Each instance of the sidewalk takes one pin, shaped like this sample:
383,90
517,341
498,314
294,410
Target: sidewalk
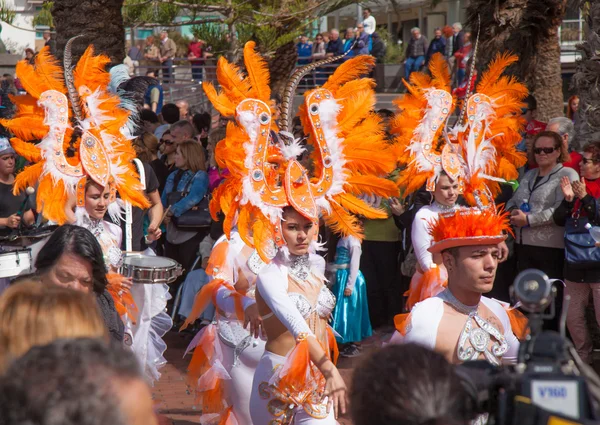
175,404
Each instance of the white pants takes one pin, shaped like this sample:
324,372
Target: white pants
260,406
239,387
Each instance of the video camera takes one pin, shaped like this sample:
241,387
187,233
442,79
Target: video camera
550,384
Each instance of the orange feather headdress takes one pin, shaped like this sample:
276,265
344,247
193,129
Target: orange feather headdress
350,156
70,127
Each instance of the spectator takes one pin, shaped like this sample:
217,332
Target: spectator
167,149
361,46
160,169
462,58
7,89
168,49
150,120
73,258
539,241
49,42
415,52
135,53
348,42
573,109
154,97
184,110
170,114
191,180
318,48
453,44
566,129
304,48
29,55
379,49
76,382
202,123
182,130
581,199
151,54
437,45
32,313
408,385
369,23
196,57
335,47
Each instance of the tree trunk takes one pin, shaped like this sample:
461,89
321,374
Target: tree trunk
585,80
528,28
99,21
281,66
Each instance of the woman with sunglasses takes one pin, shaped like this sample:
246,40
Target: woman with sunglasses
581,198
539,240
168,149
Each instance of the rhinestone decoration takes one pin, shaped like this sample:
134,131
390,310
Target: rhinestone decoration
300,266
255,263
257,175
314,109
327,161
89,142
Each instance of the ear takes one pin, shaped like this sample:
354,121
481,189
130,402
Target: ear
448,260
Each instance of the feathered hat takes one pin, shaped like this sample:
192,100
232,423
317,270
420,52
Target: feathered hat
350,157
479,150
71,128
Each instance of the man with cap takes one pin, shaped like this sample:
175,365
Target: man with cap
460,322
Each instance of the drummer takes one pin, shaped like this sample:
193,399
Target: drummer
13,208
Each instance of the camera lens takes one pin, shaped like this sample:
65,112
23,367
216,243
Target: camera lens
533,289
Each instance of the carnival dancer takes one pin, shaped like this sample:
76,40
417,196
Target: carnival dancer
276,205
473,156
351,314
227,343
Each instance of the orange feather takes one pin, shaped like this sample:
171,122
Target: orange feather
357,206
369,184
29,176
26,128
47,74
341,222
258,73
234,85
219,101
263,238
438,66
29,151
91,70
352,69
495,70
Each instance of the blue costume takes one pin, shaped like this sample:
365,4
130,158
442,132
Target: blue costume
351,314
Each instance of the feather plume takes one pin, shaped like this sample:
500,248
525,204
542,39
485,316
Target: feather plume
353,87
91,70
495,70
352,69
48,71
355,109
365,161
258,73
438,66
341,222
244,224
29,176
234,85
357,206
27,106
371,185
230,214
29,151
263,239
26,128
220,101
52,199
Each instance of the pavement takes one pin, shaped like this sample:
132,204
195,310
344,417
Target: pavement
176,405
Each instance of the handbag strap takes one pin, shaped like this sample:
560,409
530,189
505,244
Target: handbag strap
577,211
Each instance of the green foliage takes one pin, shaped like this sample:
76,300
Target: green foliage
215,35
44,17
7,13
140,11
394,52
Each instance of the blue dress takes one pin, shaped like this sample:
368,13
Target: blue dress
351,314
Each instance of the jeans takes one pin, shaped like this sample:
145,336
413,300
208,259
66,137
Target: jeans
576,317
196,72
167,71
413,64
460,75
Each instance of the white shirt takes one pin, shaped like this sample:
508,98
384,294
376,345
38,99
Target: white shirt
369,24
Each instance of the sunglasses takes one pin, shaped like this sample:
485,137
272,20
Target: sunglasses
547,151
166,142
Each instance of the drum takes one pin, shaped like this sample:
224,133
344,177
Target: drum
13,263
27,237
150,269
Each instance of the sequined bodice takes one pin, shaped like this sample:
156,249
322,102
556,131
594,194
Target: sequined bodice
113,257
342,255
323,307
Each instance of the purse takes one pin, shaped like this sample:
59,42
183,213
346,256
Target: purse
408,267
580,246
197,217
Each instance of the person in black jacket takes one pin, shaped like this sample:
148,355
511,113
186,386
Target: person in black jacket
335,47
378,50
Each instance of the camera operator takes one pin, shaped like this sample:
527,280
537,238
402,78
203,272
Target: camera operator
408,385
460,323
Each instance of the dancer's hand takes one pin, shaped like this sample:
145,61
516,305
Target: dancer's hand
13,221
347,292
154,233
336,391
126,283
251,316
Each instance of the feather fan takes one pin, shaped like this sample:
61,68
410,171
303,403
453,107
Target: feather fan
352,69
258,73
29,151
371,185
91,70
357,206
234,85
29,176
220,101
342,222
26,128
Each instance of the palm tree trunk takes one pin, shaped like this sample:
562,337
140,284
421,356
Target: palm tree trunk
281,66
585,80
99,21
528,28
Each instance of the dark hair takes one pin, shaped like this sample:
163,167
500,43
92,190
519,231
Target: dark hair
531,102
148,115
385,113
368,9
202,121
76,240
558,144
170,113
408,384
67,382
594,149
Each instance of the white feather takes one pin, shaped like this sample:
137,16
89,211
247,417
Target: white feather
118,75
293,150
116,210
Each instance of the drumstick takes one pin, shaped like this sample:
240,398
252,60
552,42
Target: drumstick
164,215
